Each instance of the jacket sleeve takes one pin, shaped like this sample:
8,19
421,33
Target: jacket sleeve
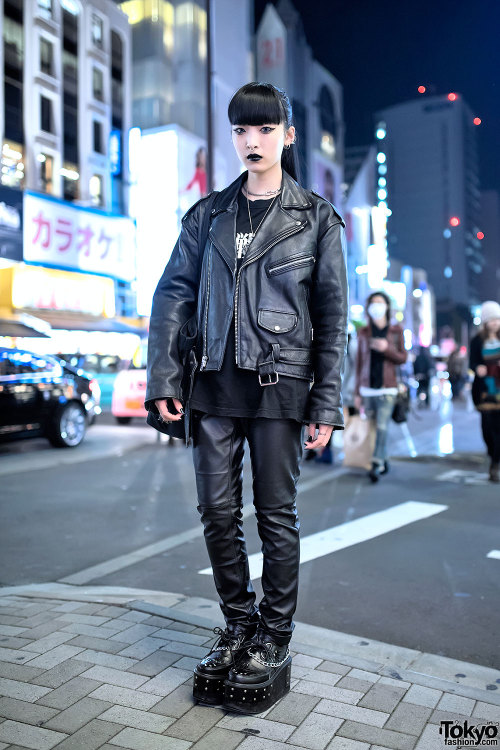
329,313
396,351
174,302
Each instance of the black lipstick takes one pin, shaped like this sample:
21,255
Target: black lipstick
254,157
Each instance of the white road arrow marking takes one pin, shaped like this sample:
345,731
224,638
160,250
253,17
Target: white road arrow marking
495,554
353,532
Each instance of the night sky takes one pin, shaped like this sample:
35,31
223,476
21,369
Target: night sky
382,50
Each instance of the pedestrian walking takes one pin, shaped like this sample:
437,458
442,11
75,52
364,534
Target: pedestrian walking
457,372
485,363
423,369
380,350
270,303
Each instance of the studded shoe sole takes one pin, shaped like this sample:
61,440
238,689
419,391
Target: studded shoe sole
208,689
253,699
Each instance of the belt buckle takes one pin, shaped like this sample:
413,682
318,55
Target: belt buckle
270,381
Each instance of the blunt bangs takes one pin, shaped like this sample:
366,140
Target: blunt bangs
255,104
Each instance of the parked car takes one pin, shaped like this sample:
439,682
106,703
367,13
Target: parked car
103,367
44,396
129,390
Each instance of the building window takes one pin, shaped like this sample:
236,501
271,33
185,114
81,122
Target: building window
98,145
71,181
12,164
46,117
95,188
46,172
98,84
97,31
45,8
46,57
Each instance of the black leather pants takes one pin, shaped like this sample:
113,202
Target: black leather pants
275,452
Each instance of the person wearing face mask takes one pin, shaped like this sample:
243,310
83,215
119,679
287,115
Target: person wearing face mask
485,362
380,350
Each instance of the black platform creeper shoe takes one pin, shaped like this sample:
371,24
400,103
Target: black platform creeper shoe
213,669
260,678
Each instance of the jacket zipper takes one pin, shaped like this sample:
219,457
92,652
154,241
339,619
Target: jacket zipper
204,358
243,265
306,260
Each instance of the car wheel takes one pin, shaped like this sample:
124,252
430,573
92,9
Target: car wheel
123,420
68,426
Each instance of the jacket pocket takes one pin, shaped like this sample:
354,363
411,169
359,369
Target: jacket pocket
289,264
276,321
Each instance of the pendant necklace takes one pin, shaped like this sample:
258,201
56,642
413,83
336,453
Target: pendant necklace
260,223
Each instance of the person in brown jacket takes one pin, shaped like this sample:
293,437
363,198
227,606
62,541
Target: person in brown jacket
380,350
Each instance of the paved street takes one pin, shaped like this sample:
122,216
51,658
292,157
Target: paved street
93,669
404,562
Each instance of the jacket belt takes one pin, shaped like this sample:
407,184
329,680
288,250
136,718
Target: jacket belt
283,362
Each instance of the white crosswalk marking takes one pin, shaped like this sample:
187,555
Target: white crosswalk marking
494,554
353,532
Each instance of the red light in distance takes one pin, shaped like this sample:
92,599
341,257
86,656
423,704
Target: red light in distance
454,221
452,97
421,89
480,235
477,121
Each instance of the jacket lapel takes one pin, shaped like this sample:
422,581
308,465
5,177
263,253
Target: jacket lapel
223,235
278,224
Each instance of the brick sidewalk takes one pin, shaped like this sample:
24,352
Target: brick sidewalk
84,676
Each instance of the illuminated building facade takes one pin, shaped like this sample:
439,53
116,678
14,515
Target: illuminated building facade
169,78
427,162
285,59
65,109
67,246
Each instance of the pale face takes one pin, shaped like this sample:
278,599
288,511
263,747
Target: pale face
493,327
265,141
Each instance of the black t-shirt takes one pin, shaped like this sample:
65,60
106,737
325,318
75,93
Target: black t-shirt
377,358
235,392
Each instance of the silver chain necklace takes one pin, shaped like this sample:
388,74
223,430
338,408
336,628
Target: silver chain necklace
260,223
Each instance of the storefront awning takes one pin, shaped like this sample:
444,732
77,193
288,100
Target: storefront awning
69,322
22,324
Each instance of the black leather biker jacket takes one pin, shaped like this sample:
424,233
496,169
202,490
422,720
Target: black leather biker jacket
289,298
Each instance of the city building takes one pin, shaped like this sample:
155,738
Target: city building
67,246
369,266
489,236
428,179
284,58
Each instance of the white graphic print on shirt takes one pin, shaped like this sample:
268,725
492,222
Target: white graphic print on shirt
243,239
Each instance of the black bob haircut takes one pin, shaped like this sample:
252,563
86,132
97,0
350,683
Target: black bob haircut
260,103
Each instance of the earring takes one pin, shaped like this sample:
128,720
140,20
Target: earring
287,146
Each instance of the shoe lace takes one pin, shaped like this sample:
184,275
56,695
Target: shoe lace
225,640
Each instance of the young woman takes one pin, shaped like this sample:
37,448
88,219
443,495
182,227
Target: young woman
380,350
271,308
485,362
